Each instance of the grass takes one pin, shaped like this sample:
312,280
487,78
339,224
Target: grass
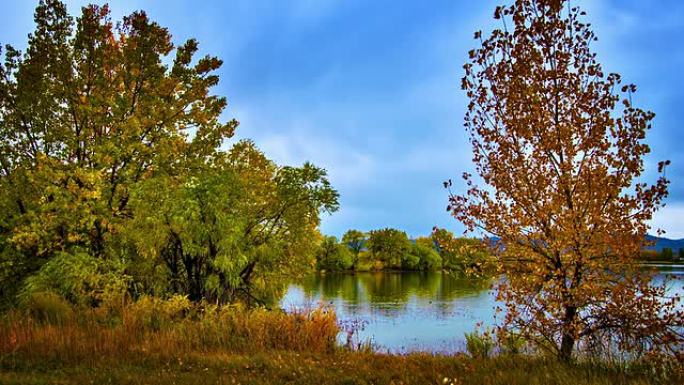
339,367
171,342
159,329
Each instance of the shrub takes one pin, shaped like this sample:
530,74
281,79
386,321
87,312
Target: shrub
479,345
79,278
154,313
48,307
429,258
410,261
510,343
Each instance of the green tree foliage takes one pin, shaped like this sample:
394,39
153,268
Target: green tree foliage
221,231
110,151
427,257
392,249
468,256
389,246
333,256
664,255
355,240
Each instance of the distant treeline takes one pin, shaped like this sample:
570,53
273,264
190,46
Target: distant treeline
665,255
392,249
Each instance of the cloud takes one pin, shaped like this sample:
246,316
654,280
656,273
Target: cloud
346,166
671,219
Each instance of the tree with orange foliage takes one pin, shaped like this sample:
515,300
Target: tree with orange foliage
559,146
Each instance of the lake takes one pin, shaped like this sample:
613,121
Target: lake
408,311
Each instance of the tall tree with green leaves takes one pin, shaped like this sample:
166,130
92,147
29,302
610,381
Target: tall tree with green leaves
389,246
86,112
467,256
333,255
233,231
108,130
355,240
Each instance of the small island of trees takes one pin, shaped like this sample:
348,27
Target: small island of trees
392,249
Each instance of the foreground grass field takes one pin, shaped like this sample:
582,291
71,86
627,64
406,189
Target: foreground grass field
171,342
341,367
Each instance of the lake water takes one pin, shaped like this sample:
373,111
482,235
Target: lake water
408,311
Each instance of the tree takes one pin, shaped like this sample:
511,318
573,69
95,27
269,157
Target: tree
560,145
333,256
222,232
666,254
389,246
88,111
355,241
467,256
110,162
425,257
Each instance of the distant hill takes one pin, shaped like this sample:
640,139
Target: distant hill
661,243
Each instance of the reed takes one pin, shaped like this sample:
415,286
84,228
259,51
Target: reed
152,328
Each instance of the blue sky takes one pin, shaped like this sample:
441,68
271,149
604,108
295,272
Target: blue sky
370,91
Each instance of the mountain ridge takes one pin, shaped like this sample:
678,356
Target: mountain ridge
659,243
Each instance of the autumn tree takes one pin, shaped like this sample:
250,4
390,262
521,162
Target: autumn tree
559,146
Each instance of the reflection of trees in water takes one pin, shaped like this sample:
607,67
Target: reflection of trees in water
390,292
332,287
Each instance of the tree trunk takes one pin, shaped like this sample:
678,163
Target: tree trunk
568,339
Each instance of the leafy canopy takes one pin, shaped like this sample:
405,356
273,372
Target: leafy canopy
110,149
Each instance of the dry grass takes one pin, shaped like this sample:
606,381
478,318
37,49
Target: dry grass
171,342
161,330
340,367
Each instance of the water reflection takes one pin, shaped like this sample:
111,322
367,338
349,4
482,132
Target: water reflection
400,311
412,311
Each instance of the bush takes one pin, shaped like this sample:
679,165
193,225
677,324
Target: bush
47,307
479,345
429,258
510,343
410,261
79,278
154,313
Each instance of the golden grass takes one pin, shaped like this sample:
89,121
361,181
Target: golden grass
153,330
172,342
339,367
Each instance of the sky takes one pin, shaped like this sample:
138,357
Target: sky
370,90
